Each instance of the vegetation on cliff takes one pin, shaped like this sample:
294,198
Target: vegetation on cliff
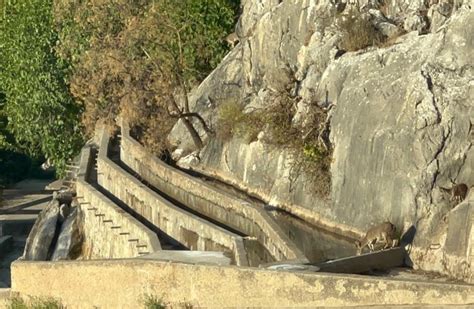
310,151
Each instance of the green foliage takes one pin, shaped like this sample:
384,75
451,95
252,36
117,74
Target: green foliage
35,303
232,121
38,116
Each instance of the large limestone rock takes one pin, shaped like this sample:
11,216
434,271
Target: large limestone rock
39,240
401,125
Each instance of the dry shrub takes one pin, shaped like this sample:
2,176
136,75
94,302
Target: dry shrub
357,32
232,121
308,156
136,59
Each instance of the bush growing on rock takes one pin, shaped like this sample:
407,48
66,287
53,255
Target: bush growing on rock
357,32
308,155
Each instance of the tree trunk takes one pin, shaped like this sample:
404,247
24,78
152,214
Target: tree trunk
194,134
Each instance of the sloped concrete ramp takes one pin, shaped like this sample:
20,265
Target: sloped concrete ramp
379,260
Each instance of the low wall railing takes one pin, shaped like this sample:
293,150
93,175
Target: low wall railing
110,232
190,230
208,200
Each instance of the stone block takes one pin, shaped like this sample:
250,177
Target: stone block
459,229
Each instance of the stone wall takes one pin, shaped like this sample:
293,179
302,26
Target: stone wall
210,201
193,232
123,283
109,231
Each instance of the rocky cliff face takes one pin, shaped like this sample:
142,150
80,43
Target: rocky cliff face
401,117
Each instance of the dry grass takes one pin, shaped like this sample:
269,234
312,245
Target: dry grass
232,121
357,32
308,156
34,303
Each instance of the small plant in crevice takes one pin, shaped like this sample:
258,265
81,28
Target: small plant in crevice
233,121
153,302
357,31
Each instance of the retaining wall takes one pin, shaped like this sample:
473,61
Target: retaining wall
123,283
188,229
109,231
208,200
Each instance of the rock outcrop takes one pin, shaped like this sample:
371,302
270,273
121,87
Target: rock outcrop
401,122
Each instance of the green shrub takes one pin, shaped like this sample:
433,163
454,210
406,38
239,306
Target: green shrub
232,121
39,115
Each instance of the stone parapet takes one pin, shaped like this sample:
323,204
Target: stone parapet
123,284
208,200
186,228
109,231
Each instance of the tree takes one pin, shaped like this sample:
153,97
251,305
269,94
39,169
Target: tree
38,115
143,58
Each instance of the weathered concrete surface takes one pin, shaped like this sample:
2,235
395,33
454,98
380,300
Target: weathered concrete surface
41,236
107,228
193,232
380,260
4,296
401,125
101,284
208,200
189,257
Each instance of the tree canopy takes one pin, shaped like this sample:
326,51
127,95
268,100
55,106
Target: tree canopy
38,115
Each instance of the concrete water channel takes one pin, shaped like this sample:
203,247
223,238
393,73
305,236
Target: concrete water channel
214,216
316,244
203,219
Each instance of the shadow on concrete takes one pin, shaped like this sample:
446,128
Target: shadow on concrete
16,209
407,240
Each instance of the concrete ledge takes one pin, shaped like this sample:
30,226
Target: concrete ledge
101,284
108,236
189,257
190,230
4,298
208,200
